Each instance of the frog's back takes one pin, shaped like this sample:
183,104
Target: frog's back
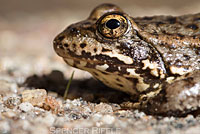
176,38
185,25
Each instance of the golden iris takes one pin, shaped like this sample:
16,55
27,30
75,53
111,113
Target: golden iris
112,25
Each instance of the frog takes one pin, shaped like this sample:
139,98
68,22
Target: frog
154,59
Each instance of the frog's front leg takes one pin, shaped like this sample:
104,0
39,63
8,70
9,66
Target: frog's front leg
179,97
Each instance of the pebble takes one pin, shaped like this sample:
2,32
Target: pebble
35,97
9,114
26,106
108,119
97,117
139,114
103,108
12,102
168,119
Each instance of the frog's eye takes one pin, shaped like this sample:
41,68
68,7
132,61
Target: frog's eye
112,25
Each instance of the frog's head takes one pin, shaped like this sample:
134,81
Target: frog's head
104,38
106,43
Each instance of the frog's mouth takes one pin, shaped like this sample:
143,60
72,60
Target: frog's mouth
77,57
97,62
83,64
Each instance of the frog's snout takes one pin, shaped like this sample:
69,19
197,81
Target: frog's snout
57,44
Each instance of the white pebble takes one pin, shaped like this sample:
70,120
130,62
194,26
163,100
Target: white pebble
107,119
26,106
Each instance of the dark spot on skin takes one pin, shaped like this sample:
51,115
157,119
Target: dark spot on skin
105,50
187,57
95,74
85,55
92,29
68,49
95,50
148,18
66,45
155,33
104,73
159,23
180,35
197,51
117,79
60,38
178,63
82,45
135,80
187,74
87,23
157,37
61,47
192,26
76,62
194,36
120,85
197,19
172,20
74,45
123,70
189,80
123,45
112,68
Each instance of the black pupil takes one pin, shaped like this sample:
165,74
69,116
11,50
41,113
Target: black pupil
112,24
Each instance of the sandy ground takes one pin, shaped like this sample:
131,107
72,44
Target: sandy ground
28,61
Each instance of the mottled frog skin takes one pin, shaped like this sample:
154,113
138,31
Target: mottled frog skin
154,59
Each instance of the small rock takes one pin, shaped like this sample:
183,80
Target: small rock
189,117
9,114
26,106
12,102
103,108
97,117
139,114
168,119
108,119
35,97
53,104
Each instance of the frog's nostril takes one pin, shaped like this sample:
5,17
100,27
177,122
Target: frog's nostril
72,29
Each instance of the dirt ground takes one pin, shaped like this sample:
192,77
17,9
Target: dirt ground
28,61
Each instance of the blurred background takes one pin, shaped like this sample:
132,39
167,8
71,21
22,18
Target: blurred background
28,27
